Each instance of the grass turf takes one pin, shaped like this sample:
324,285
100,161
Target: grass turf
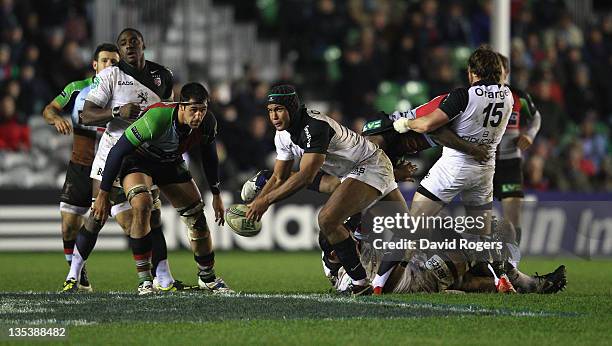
304,313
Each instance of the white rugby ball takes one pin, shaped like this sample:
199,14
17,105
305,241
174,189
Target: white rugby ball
235,217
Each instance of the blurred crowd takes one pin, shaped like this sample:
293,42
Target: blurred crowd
339,54
40,52
344,52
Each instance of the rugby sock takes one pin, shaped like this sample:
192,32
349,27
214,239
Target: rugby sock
380,280
85,242
353,223
346,251
494,275
69,249
388,262
160,267
206,265
76,266
141,250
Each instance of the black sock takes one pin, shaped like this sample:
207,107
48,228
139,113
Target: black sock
353,223
68,250
85,242
346,251
141,251
206,265
160,251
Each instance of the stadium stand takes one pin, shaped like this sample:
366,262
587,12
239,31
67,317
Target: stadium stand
374,55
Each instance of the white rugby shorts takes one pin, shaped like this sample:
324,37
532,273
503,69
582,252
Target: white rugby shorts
449,178
376,171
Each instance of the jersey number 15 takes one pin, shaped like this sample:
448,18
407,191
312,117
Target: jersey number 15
493,111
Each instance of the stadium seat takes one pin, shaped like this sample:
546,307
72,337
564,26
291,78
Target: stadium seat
416,92
388,96
460,57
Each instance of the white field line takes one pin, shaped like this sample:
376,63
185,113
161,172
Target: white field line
20,304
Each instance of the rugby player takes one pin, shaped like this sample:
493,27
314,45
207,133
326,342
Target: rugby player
443,270
117,97
522,128
323,144
478,114
446,271
75,198
149,152
381,132
397,145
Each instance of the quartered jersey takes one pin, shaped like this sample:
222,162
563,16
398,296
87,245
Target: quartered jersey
159,136
525,118
314,132
478,114
84,139
122,84
75,92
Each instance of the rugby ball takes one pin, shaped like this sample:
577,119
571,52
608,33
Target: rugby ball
235,217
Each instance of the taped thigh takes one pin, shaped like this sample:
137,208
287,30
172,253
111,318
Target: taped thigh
194,219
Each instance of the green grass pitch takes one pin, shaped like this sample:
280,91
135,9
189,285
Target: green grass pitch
285,299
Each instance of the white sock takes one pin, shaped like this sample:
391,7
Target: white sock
163,274
494,275
77,265
380,280
361,282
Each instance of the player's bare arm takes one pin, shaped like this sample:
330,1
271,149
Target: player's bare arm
52,116
96,115
431,122
309,167
448,138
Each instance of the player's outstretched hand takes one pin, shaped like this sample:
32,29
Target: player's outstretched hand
523,142
481,153
129,111
101,208
219,209
257,208
62,126
405,171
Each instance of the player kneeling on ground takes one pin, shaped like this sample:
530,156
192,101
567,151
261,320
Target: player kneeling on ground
149,153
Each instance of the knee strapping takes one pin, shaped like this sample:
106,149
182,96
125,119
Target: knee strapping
194,219
136,190
156,200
